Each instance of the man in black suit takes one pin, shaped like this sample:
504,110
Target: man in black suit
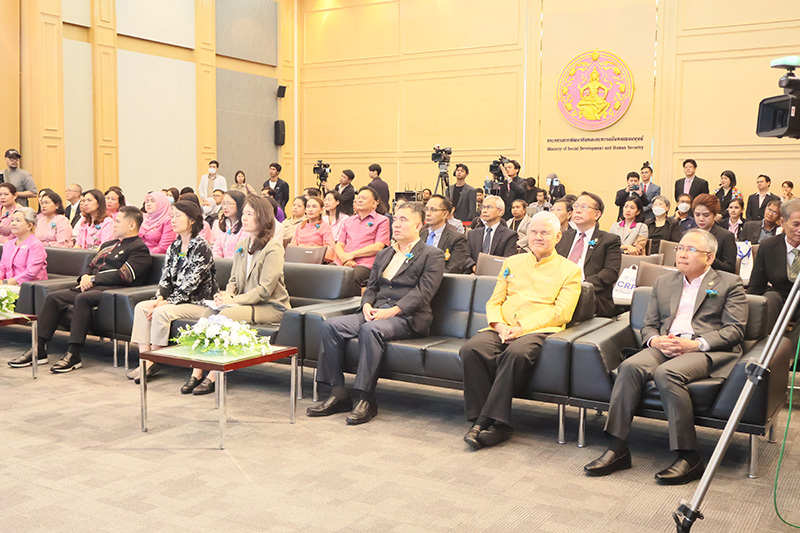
631,189
346,191
120,262
395,305
596,252
514,188
693,329
438,233
756,231
691,184
72,199
757,202
275,183
461,194
492,238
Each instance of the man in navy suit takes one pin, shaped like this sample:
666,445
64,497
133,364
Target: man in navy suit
395,305
649,190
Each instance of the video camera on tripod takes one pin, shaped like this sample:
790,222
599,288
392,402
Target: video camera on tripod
778,116
492,186
442,156
322,171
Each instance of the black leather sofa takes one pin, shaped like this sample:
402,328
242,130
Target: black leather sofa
596,356
63,264
459,311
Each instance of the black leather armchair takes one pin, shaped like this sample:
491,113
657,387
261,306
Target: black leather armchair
596,356
63,265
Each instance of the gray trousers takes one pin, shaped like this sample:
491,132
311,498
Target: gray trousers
672,377
371,343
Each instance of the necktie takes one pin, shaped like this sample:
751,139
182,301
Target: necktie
431,235
577,250
687,185
644,189
487,240
794,268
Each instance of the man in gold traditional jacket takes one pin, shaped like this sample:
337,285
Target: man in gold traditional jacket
535,295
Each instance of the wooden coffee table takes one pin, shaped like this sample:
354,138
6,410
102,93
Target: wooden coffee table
24,320
221,363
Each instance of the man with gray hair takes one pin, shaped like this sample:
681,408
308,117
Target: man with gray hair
693,329
535,295
493,237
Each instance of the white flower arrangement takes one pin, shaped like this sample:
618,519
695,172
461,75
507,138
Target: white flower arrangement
220,333
8,301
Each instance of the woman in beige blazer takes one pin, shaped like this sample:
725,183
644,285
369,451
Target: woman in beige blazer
256,292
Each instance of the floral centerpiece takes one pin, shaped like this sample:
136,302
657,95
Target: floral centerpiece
8,301
220,333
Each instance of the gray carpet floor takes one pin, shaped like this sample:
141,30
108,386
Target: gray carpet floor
75,459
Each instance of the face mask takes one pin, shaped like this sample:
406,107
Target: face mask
212,171
658,210
171,199
683,207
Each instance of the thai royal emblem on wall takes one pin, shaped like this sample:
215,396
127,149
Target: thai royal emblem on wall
595,90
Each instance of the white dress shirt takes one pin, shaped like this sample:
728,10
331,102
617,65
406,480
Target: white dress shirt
589,233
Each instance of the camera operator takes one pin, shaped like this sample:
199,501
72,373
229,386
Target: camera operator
346,191
557,189
514,187
632,189
462,195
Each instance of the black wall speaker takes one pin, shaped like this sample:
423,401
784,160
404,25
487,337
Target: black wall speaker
280,133
281,91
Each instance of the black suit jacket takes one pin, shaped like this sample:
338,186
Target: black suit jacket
622,197
504,244
120,263
726,250
771,268
454,246
754,211
411,289
281,192
725,222
510,191
68,213
750,231
699,186
348,194
465,207
601,266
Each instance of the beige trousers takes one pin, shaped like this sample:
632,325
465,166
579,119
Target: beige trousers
156,330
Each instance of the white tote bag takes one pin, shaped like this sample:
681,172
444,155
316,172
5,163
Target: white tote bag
626,284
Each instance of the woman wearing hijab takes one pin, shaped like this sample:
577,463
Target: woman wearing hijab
156,229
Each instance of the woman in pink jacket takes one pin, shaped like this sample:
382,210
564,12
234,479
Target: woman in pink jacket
314,232
8,204
24,258
52,227
227,231
96,227
156,230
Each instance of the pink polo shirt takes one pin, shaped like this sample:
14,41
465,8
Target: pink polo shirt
359,232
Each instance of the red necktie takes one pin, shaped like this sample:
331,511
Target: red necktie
577,250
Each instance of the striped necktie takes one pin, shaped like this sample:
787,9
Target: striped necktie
794,268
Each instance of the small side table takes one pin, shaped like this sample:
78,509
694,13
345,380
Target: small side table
221,363
23,320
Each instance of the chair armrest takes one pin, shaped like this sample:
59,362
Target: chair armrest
25,303
594,356
292,328
313,321
42,288
125,301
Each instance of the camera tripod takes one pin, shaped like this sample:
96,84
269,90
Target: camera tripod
443,180
688,512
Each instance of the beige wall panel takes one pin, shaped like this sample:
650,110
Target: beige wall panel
470,24
77,12
480,111
78,113
170,21
354,32
706,14
157,123
350,118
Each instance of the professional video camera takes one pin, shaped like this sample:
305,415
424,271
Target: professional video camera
441,155
496,170
779,116
322,171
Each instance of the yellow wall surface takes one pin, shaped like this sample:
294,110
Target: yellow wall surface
9,75
383,81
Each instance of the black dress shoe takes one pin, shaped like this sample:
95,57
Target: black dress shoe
190,385
26,359
363,412
681,472
152,370
331,406
471,437
68,363
206,387
608,463
495,434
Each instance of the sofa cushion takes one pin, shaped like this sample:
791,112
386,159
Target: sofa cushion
443,361
451,306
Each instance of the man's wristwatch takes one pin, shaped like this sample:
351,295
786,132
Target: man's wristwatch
92,279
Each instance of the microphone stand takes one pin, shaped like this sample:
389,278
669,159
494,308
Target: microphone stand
689,511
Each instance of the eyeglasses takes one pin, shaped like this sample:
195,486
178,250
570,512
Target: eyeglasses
583,206
228,204
682,248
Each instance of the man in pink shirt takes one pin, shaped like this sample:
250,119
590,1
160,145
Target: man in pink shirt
693,329
363,235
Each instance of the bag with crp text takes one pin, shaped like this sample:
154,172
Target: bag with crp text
626,284
744,253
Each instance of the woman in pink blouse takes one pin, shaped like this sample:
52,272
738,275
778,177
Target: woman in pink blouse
8,204
313,231
156,230
96,227
24,258
332,213
114,200
227,231
52,227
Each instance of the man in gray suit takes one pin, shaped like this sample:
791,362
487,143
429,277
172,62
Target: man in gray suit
395,305
693,329
649,190
461,194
